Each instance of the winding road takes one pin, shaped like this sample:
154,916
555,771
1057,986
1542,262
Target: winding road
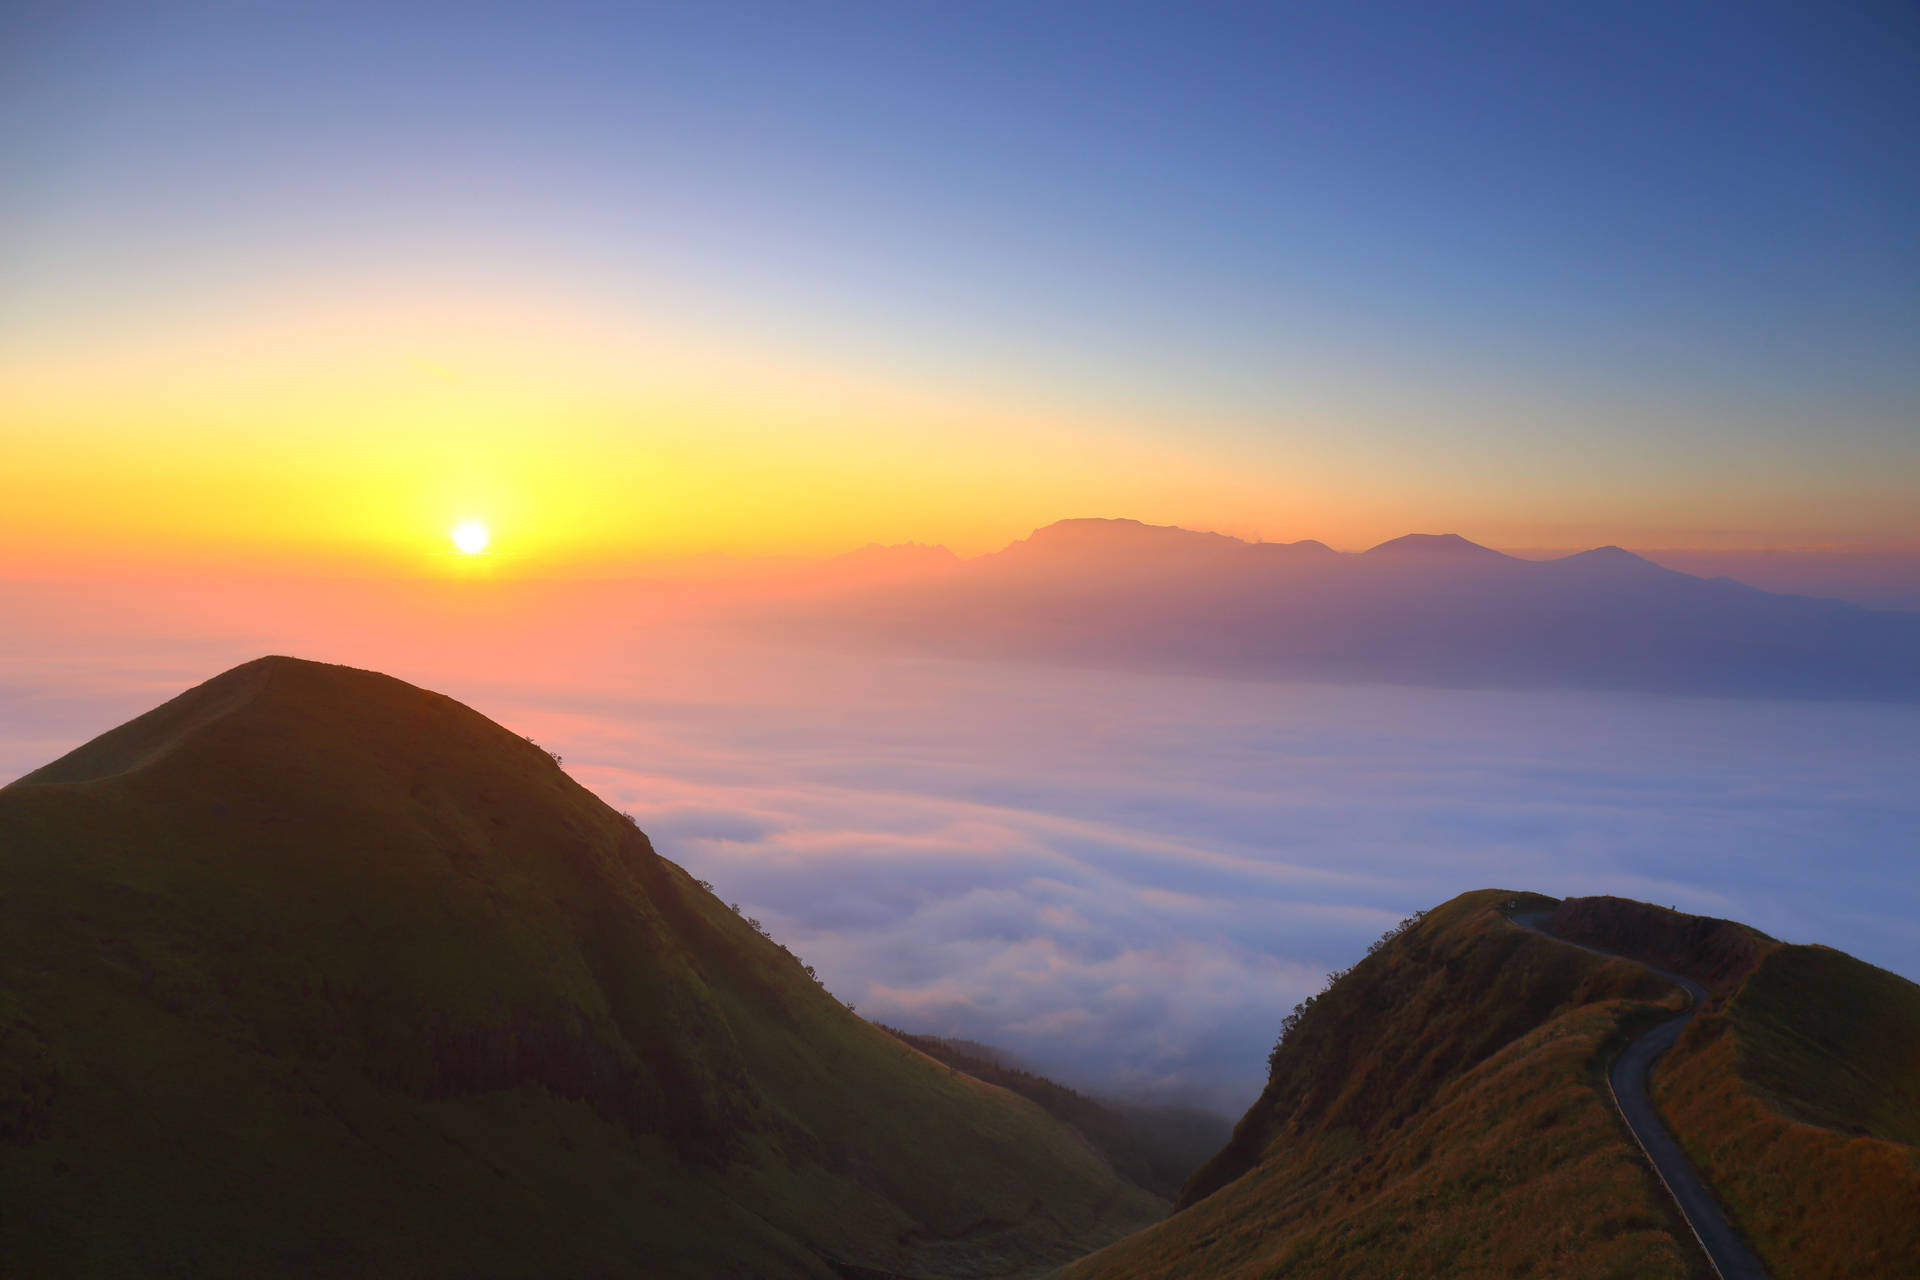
1627,1080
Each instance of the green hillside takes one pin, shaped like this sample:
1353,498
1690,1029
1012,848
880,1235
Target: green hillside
1439,1110
311,971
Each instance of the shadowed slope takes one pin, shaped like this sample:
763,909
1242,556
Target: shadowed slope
1719,954
1154,1147
310,969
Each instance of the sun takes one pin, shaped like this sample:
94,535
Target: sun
471,537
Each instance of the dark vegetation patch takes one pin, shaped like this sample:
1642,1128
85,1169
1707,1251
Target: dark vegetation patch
28,1080
1154,1147
1718,954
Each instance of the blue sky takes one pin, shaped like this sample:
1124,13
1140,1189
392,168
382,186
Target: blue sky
1590,247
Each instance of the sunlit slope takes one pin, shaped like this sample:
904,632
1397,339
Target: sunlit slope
1797,1093
311,970
1439,1111
1801,1103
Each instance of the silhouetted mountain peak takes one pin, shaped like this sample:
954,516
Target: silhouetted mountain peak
249,691
1608,555
1120,541
1436,544
1083,532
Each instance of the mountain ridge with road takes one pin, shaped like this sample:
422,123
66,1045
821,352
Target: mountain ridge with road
1444,1107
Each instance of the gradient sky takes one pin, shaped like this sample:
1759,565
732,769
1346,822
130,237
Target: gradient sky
307,284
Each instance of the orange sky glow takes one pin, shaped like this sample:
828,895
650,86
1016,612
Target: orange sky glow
351,435
289,290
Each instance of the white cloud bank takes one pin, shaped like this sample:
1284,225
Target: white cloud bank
1130,879
1127,879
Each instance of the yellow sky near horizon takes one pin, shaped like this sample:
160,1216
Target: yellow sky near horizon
341,436
350,434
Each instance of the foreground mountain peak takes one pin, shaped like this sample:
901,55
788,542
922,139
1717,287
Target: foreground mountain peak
384,984
273,687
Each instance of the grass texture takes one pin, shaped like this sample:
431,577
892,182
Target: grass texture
1437,1111
310,971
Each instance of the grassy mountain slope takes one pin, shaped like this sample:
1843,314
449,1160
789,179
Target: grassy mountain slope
1718,954
1156,1148
1800,1102
1437,1111
1797,1094
311,970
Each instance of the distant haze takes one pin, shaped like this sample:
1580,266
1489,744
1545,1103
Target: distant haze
1877,579
1423,609
1125,876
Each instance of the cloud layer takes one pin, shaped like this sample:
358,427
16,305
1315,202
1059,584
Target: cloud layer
1130,879
1124,879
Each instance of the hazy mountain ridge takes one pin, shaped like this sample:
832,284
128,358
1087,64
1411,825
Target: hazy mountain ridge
1424,609
310,969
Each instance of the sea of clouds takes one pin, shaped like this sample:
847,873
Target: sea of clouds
1124,879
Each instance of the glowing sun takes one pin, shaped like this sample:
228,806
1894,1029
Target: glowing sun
470,536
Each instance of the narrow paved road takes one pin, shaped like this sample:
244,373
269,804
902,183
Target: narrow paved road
1627,1078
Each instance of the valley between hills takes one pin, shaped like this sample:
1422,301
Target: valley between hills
312,972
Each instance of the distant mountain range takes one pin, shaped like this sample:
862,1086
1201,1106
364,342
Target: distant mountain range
1425,609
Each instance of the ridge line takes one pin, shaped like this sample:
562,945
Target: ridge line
1733,1258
